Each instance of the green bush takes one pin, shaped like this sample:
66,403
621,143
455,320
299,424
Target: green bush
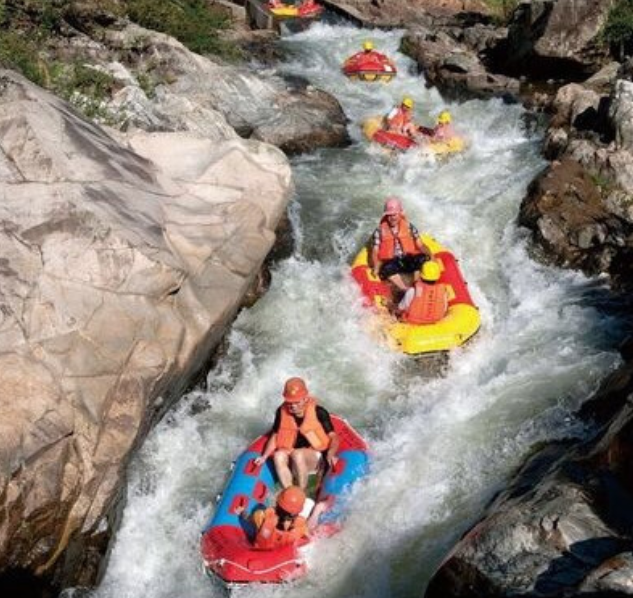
193,22
618,30
502,9
20,53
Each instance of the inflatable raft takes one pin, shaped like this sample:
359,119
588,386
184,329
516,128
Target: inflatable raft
226,546
372,66
460,324
310,11
373,131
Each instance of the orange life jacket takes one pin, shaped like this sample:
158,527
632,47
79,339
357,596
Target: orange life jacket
387,248
269,537
311,429
429,304
399,120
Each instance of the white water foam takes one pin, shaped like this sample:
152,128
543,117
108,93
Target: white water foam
441,446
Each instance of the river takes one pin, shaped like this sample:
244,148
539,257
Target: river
442,445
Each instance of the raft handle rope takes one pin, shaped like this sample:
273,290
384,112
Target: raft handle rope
222,562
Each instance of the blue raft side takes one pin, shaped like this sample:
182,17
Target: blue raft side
357,465
242,483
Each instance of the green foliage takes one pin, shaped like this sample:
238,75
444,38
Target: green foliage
193,22
603,183
86,88
91,81
502,9
19,52
618,30
147,84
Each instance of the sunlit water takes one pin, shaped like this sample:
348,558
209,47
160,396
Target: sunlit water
442,446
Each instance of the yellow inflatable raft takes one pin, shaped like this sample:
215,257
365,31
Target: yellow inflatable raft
461,322
373,131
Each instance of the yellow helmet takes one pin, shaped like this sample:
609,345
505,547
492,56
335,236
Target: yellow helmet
408,102
368,45
444,117
430,271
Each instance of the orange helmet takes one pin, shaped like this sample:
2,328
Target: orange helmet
295,390
291,500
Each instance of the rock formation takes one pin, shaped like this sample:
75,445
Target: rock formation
160,85
123,263
556,38
403,13
456,67
581,208
565,525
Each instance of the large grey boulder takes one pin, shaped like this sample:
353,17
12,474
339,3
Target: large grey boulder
576,223
453,67
402,13
123,263
188,89
564,527
557,37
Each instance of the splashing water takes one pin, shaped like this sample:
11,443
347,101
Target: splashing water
442,446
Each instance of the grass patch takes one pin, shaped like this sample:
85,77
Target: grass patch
502,9
20,53
604,184
618,30
30,32
193,22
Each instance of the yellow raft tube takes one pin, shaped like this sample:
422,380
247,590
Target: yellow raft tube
459,325
373,131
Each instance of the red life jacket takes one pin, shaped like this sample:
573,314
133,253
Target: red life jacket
310,428
269,537
429,305
387,248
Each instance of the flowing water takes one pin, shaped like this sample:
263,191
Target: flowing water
442,445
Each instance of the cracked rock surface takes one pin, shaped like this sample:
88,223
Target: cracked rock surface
122,263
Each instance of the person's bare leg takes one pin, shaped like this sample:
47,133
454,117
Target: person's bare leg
305,461
282,467
397,281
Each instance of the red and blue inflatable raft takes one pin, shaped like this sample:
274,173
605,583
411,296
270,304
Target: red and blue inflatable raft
226,544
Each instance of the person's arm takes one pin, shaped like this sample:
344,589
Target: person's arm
421,247
313,520
375,260
269,449
271,443
325,420
330,456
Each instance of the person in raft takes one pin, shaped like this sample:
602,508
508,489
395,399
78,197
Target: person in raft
397,248
302,438
426,302
368,50
443,129
400,119
284,523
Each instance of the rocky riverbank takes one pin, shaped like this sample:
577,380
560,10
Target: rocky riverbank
561,528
